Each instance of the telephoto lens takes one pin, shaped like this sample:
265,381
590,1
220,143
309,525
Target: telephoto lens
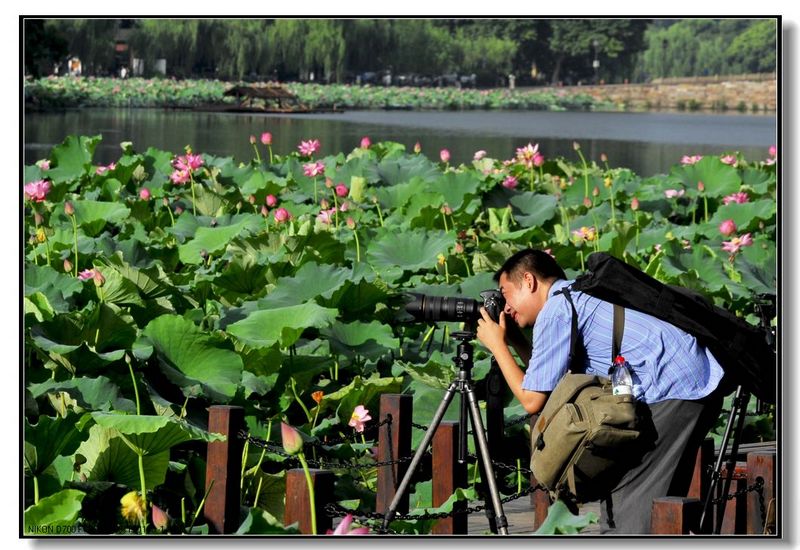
456,308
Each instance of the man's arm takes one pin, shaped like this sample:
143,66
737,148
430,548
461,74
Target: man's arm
492,336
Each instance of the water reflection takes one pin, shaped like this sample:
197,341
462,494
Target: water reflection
648,143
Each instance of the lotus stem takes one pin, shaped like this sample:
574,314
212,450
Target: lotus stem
35,489
135,387
519,476
311,499
444,217
202,503
258,491
258,157
297,398
380,213
143,521
191,179
358,247
183,510
269,147
75,233
705,205
245,450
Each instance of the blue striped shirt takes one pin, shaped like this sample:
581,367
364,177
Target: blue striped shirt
667,362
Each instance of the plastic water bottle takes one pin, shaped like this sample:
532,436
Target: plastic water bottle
621,379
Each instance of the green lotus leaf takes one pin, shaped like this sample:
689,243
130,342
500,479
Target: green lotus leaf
283,325
397,170
110,458
745,215
433,373
51,437
93,215
361,391
371,340
678,263
456,187
397,196
411,251
92,394
193,357
273,491
150,283
424,210
560,521
210,239
150,435
38,305
261,522
59,509
243,275
718,178
310,281
57,287
534,209
73,158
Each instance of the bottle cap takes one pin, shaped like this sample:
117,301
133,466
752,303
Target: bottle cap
619,359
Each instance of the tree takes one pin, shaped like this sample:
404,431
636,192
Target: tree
44,47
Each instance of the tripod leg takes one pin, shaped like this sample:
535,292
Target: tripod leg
483,447
426,441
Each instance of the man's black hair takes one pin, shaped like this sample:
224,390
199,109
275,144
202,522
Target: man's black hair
538,262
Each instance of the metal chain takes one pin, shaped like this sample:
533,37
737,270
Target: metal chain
757,486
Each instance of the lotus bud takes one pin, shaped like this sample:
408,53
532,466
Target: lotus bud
773,152
165,202
144,194
238,206
701,186
179,209
341,190
251,199
417,148
324,204
328,183
98,278
587,202
67,265
603,157
351,223
365,142
266,138
596,191
69,210
444,154
252,140
264,211
292,442
634,204
459,248
446,210
576,145
160,518
271,200
37,218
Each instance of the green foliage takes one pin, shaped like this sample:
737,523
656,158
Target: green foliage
120,372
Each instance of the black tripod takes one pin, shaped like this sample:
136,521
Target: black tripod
737,415
463,386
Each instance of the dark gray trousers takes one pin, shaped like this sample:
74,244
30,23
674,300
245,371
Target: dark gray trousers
677,430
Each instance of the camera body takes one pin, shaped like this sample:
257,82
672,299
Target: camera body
445,308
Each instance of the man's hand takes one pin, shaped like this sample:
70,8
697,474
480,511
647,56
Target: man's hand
491,334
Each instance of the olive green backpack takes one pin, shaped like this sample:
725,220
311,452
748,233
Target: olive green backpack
584,431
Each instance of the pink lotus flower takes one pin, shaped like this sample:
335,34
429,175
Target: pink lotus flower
281,215
773,152
100,170
180,176
44,164
308,148
444,154
341,190
527,152
365,142
727,227
93,274
344,207
144,194
194,161
734,245
37,190
266,138
271,200
538,159
326,216
188,162
634,203
673,193
313,169
729,160
344,528
360,414
479,155
694,159
417,148
510,182
291,440
739,198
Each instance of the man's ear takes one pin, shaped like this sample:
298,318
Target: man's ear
531,281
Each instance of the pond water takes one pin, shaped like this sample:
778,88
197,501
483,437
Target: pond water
648,143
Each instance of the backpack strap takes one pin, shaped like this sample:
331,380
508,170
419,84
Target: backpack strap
619,329
573,339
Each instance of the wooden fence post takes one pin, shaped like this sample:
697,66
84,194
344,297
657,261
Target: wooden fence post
223,469
701,480
759,464
448,475
394,441
540,500
298,503
675,515
734,522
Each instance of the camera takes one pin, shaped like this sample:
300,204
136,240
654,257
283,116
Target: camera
456,308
